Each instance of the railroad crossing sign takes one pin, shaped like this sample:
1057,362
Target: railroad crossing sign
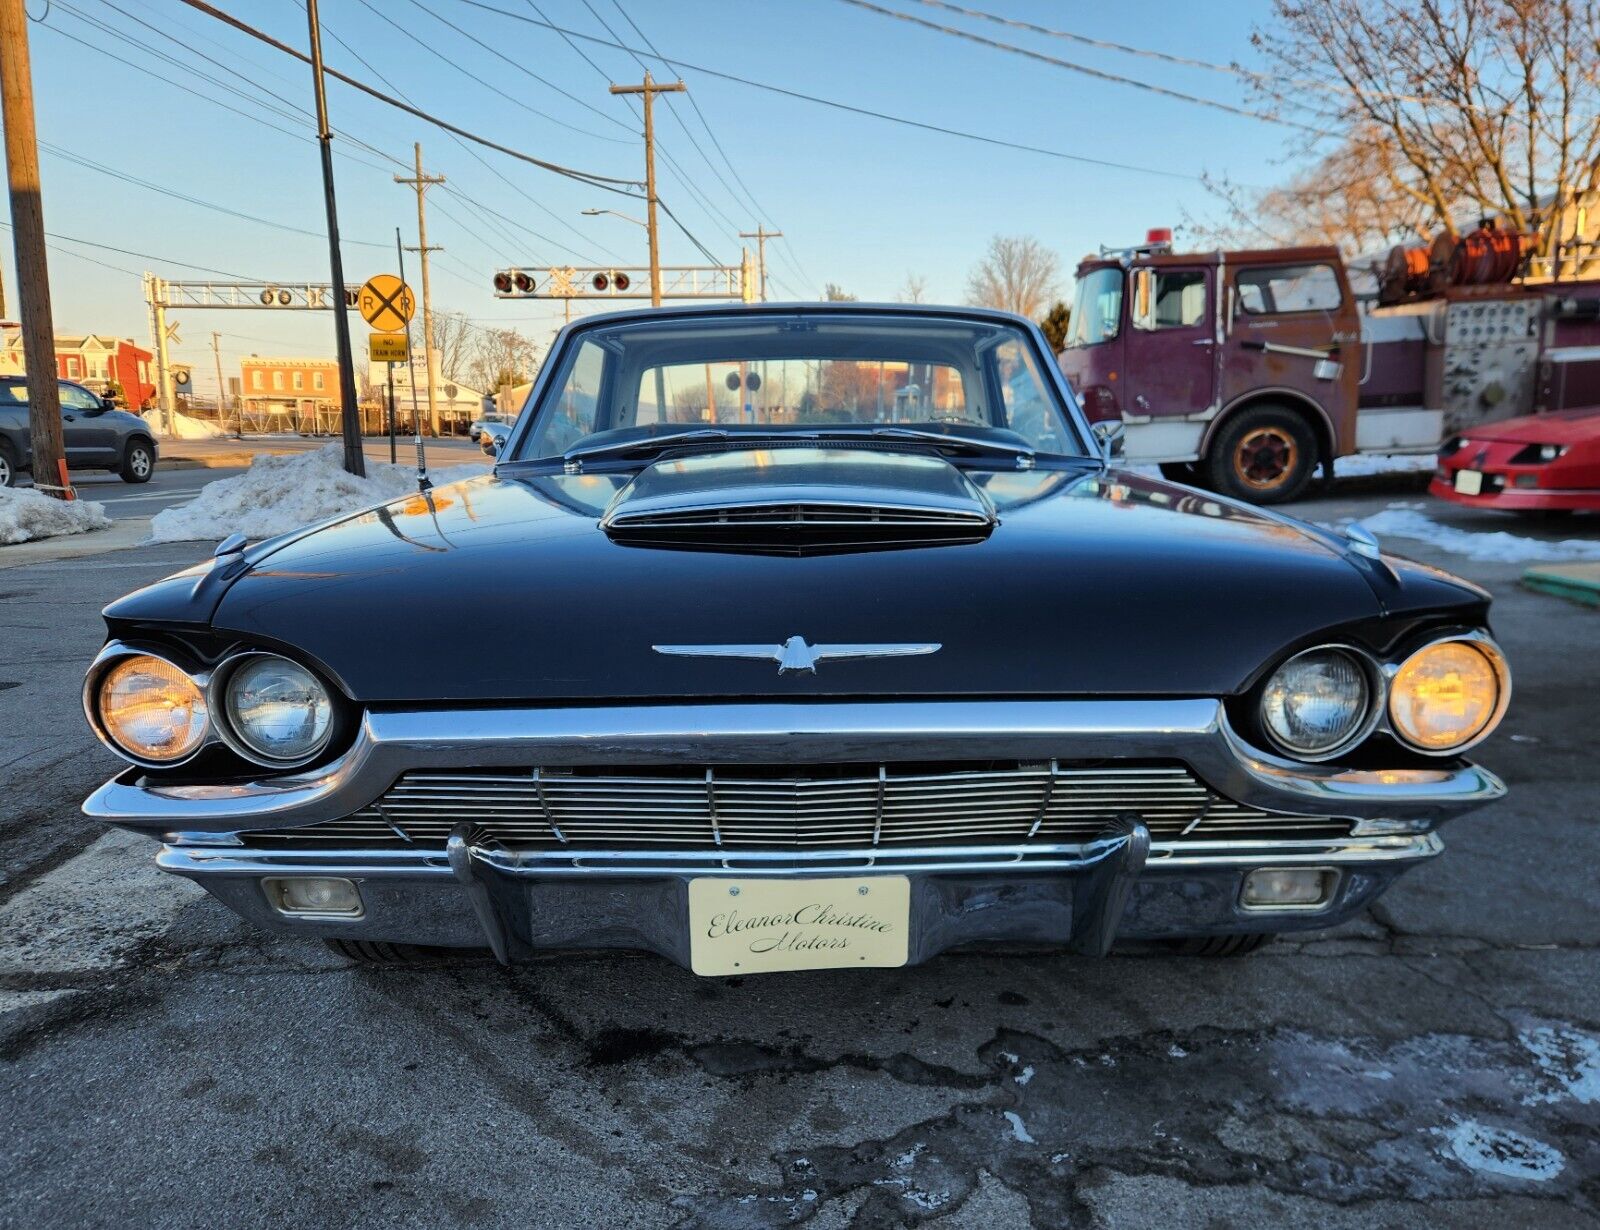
389,347
386,303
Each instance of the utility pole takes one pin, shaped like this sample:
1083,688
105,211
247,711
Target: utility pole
33,274
421,183
650,89
155,296
761,235
354,462
222,389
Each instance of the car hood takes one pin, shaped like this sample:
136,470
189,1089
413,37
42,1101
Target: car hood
1557,427
1080,582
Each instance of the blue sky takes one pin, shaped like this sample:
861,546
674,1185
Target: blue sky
862,202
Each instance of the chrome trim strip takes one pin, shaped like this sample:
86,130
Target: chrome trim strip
200,861
1195,732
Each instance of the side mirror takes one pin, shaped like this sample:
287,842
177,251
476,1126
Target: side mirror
1112,438
108,402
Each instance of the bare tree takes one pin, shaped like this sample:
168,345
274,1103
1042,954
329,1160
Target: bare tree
1427,114
1017,274
914,289
453,341
501,358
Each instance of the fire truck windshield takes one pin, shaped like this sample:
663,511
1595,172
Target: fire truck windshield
1096,308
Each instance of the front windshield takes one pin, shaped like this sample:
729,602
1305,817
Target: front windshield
765,374
1097,308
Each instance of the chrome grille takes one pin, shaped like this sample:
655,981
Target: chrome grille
735,807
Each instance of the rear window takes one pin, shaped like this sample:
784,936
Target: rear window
1288,288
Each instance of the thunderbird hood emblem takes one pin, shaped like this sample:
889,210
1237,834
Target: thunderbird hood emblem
794,654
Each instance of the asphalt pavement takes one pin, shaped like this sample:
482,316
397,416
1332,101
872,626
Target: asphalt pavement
1434,1063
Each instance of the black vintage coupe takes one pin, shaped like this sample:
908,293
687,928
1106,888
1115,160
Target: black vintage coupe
829,635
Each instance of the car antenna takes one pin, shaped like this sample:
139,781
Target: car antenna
423,481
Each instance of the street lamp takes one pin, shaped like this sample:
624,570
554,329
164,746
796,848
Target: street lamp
595,213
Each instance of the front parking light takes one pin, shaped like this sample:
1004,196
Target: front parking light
1288,888
151,710
314,896
1449,695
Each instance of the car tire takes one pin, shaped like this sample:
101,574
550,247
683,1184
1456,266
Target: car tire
138,462
1241,944
379,952
8,466
1265,455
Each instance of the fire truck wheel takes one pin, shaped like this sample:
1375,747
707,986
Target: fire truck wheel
1266,455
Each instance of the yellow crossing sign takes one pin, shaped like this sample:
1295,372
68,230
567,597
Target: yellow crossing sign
386,303
389,347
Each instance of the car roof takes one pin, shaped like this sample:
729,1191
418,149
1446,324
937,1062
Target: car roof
933,311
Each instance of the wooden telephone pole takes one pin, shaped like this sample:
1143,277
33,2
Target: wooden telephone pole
761,235
33,274
421,183
650,89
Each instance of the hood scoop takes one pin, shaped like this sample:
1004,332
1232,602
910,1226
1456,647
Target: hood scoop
799,501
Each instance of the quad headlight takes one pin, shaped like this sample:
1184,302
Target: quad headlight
1317,702
277,710
151,710
1449,695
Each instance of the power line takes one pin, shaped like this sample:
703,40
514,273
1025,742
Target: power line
834,103
158,260
128,178
509,97
1233,70
604,182
717,144
1084,69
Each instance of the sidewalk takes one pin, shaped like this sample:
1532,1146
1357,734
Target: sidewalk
226,453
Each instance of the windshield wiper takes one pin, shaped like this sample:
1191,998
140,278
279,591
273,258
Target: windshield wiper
957,439
617,448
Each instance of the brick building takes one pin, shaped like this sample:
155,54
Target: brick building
289,394
94,360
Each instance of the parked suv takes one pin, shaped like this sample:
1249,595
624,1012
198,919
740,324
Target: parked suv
97,435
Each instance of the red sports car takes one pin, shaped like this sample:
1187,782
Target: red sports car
1540,462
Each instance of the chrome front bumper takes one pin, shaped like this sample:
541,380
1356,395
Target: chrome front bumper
1082,895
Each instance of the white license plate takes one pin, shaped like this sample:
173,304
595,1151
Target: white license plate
760,926
1469,482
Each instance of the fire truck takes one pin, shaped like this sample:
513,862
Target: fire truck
1248,371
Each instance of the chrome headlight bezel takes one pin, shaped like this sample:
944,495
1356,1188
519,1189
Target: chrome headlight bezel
113,655
221,700
1374,699
212,684
1484,644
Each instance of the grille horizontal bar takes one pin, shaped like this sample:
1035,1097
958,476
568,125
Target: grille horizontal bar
774,808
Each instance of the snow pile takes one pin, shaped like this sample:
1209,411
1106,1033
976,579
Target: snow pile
1498,546
1363,464
186,428
27,514
282,493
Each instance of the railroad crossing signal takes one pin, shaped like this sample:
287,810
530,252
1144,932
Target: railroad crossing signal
386,303
389,347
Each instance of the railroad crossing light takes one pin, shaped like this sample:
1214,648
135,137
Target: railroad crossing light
621,281
285,298
351,298
601,281
268,297
502,283
524,282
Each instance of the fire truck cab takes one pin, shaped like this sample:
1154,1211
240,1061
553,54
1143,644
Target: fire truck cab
1247,371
